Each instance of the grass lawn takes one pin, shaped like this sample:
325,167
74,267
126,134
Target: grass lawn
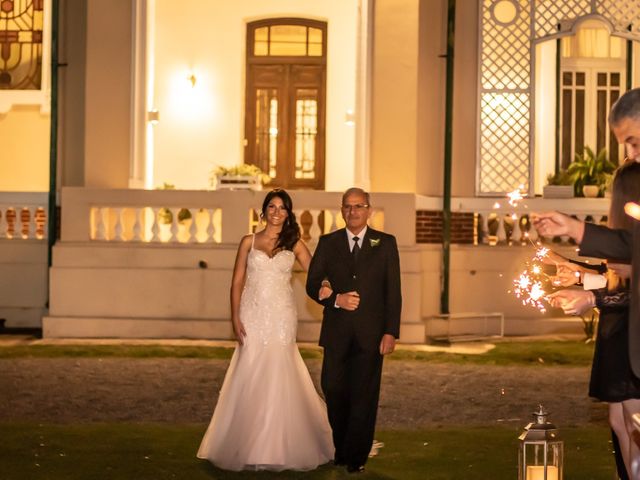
506,353
149,451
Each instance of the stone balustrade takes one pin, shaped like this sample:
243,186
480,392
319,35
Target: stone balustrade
23,215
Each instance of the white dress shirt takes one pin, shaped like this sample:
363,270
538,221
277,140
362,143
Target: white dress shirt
360,236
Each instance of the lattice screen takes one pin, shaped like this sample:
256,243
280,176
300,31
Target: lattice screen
509,27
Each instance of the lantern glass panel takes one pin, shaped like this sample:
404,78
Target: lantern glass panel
534,456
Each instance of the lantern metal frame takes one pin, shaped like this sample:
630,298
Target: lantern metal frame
544,435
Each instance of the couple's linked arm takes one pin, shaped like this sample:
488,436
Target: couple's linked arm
393,301
317,273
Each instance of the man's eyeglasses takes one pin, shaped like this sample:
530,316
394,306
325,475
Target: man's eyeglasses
357,207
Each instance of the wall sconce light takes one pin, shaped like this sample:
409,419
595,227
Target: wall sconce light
350,118
192,80
153,117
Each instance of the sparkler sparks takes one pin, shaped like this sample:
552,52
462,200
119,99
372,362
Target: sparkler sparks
530,290
541,253
529,287
515,196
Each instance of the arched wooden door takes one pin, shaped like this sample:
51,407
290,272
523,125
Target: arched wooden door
285,100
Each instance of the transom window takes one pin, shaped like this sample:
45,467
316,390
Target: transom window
288,40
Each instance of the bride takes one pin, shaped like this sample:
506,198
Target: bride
269,415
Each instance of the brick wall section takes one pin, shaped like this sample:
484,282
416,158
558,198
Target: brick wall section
429,227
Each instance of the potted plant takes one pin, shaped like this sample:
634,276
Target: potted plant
165,216
239,176
590,173
559,185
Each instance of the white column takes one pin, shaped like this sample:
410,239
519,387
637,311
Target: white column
364,75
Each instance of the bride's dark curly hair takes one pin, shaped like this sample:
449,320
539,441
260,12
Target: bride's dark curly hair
290,233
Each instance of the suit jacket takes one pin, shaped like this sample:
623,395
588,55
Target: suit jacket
375,276
624,246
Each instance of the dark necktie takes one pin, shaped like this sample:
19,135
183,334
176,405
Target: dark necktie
356,248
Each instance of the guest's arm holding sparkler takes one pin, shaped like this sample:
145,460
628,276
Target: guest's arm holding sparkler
572,272
573,301
594,240
551,224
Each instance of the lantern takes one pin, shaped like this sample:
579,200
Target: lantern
541,450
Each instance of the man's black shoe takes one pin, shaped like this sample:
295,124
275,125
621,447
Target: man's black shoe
355,468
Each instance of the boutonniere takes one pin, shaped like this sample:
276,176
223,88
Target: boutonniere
374,242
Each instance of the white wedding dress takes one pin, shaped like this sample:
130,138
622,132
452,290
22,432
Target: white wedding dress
269,415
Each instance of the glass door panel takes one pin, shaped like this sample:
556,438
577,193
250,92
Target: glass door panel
266,130
306,133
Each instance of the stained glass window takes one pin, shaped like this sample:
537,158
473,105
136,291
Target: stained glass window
21,26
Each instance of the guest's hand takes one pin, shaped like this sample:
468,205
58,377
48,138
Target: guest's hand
325,292
348,301
567,274
387,344
551,224
623,270
239,332
573,302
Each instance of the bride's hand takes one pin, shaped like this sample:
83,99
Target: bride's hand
239,332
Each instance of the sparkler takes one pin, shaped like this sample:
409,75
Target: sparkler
529,289
541,252
530,286
515,196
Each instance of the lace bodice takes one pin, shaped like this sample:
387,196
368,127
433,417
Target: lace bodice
267,307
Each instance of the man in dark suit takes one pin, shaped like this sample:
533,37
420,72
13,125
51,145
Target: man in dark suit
360,324
602,242
622,245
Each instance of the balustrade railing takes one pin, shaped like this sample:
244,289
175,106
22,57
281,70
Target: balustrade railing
213,217
499,223
23,215
203,217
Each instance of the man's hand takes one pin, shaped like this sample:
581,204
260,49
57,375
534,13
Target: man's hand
573,302
551,224
387,344
348,301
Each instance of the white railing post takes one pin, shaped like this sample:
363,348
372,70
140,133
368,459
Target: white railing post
137,225
174,225
210,226
118,228
314,230
516,233
155,227
193,228
100,229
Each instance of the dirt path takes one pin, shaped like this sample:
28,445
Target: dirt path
414,394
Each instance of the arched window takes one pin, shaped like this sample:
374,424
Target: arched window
285,100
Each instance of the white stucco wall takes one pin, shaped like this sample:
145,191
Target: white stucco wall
204,126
